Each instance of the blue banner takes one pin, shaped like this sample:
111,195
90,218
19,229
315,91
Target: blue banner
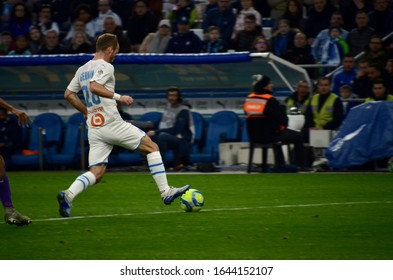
366,134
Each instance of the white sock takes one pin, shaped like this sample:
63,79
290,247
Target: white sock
157,170
80,184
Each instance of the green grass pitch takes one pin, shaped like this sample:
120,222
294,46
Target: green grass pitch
256,216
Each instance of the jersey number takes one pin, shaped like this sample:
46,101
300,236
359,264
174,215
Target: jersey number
91,99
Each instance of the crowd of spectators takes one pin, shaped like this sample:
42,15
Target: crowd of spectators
300,31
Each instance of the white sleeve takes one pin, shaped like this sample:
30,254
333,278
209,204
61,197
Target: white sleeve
103,73
74,85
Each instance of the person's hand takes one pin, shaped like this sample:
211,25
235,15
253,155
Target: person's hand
23,118
126,100
151,133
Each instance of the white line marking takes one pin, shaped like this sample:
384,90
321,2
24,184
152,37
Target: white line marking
216,210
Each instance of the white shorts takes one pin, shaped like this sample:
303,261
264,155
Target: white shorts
102,140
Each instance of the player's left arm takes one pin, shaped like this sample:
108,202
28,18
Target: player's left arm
23,118
102,91
74,100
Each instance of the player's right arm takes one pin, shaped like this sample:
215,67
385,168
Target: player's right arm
74,100
102,91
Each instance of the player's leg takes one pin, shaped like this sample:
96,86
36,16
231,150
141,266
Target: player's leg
157,170
98,158
11,215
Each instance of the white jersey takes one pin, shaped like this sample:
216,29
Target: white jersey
100,110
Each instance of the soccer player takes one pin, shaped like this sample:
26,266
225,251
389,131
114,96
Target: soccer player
106,128
11,216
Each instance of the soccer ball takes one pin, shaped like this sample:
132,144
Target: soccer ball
390,166
192,201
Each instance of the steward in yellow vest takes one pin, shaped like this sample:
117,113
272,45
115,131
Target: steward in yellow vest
300,98
379,92
326,109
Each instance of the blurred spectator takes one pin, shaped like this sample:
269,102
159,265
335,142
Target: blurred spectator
36,39
6,11
336,19
45,21
362,85
379,92
245,38
318,18
80,44
326,109
261,6
20,20
260,44
82,14
10,136
277,8
359,37
283,39
183,9
6,43
247,8
381,18
157,42
294,14
347,97
300,98
22,46
345,76
78,26
214,44
211,4
389,68
104,11
300,53
335,48
185,41
111,27
224,18
141,22
51,44
350,8
375,51
167,6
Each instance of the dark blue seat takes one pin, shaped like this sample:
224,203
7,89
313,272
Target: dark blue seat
154,117
71,150
223,126
199,127
49,128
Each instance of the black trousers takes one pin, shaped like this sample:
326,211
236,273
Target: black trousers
295,138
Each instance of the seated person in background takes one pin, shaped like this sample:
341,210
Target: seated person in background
300,53
363,83
375,51
346,75
300,98
185,41
379,92
247,8
111,27
260,44
183,9
335,48
52,44
245,38
214,44
176,129
157,42
22,46
325,110
283,39
222,17
78,26
264,111
80,44
346,95
141,22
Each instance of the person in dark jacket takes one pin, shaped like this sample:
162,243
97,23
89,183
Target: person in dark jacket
264,111
176,129
185,41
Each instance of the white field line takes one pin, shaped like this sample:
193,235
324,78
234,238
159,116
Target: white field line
216,210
